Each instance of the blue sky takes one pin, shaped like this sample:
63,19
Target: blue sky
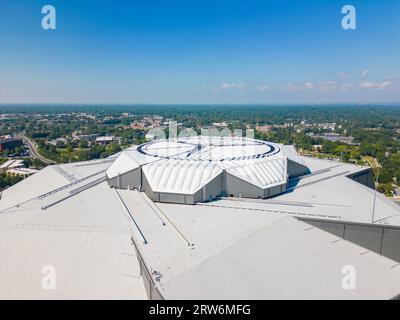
199,52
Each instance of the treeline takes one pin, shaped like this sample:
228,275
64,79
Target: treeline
73,151
7,180
12,148
380,144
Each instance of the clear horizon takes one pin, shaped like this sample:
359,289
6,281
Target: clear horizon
180,52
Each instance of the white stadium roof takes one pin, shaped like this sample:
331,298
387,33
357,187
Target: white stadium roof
209,148
185,165
96,237
259,172
123,164
180,176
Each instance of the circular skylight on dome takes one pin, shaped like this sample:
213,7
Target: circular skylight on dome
209,148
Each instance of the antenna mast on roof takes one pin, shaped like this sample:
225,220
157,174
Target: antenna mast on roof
375,185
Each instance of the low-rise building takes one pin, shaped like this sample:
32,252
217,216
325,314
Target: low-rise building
16,167
220,124
333,137
25,172
105,139
8,141
265,128
137,125
54,141
11,164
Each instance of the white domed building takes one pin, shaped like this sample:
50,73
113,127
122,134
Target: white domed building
197,169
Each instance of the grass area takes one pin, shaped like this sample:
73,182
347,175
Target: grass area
76,154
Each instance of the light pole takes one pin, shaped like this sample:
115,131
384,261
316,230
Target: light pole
376,187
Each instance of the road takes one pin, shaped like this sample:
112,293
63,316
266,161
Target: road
34,151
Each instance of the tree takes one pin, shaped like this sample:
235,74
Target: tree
385,188
83,144
385,176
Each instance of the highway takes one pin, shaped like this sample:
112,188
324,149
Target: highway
33,151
